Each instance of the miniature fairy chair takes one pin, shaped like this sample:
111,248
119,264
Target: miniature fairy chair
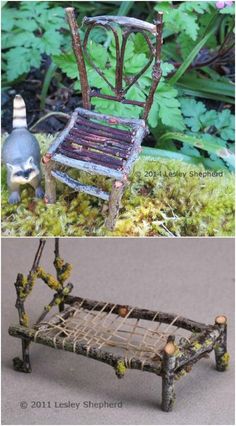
97,143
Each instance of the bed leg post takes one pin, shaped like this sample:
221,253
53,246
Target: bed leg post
116,194
168,367
61,307
221,354
23,365
50,181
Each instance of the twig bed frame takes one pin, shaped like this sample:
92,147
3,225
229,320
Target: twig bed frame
121,336
97,143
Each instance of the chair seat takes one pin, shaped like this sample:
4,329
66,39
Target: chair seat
92,142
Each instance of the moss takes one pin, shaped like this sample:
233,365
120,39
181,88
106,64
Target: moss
66,291
65,274
26,286
177,352
208,342
216,346
197,346
47,308
180,374
224,360
49,279
120,369
157,203
63,269
22,294
58,263
25,320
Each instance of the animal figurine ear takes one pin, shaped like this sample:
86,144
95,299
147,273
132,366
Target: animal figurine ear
29,162
10,166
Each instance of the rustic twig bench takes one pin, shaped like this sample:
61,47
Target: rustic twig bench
121,336
97,143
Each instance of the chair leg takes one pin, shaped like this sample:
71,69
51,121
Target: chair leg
168,390
50,183
23,365
221,354
116,194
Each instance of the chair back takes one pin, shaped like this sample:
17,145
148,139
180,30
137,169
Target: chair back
120,87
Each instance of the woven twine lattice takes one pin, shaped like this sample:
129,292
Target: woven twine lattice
105,330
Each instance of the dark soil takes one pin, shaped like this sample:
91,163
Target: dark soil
58,100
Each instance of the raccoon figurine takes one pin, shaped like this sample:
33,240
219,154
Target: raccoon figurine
21,154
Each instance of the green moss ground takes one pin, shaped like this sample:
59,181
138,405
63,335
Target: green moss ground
153,205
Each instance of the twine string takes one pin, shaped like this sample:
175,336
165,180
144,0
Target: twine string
100,327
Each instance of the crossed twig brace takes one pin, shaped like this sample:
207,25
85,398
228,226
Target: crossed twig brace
97,143
121,336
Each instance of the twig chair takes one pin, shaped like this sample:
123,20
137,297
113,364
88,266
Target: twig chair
97,143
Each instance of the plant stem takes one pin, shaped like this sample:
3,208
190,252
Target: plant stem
59,114
46,83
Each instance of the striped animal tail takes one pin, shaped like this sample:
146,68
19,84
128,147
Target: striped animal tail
19,112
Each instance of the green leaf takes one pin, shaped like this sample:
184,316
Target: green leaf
198,118
209,118
228,10
191,108
24,38
190,150
166,68
190,26
129,51
34,58
186,44
162,153
124,8
98,53
8,19
67,63
26,24
95,79
207,85
135,93
179,19
50,42
225,123
195,6
17,62
140,44
34,8
135,64
166,108
77,86
193,54
210,144
193,111
199,94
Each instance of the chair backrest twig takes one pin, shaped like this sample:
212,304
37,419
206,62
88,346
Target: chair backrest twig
127,26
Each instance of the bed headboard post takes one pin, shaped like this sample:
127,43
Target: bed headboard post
24,284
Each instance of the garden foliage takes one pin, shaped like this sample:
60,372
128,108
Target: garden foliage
35,33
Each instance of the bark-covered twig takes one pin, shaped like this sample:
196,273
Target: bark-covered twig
221,354
168,369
